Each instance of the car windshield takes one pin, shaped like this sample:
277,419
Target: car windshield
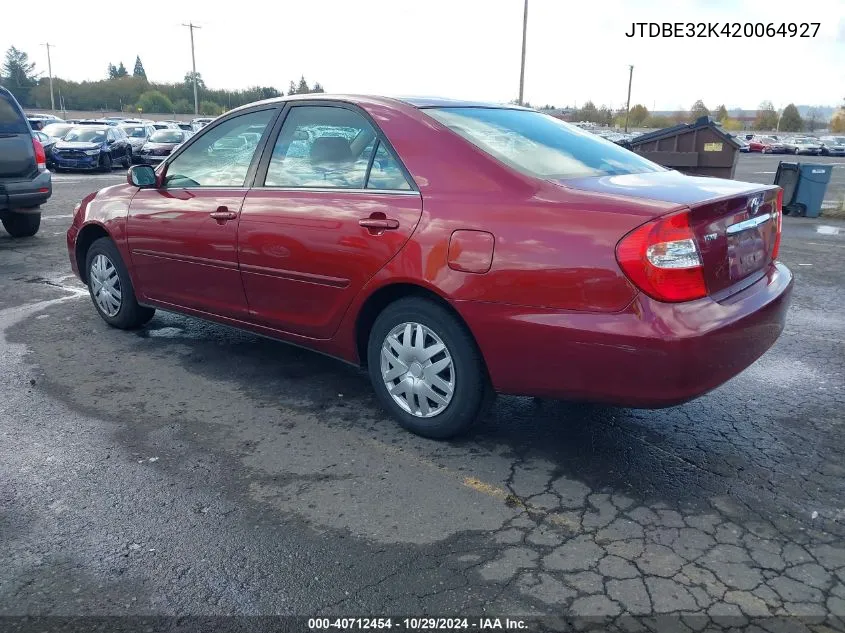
161,126
57,129
85,135
135,132
166,136
540,145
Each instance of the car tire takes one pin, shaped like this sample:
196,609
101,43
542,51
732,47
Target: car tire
105,163
127,160
463,370
21,224
111,288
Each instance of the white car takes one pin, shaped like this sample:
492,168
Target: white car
807,145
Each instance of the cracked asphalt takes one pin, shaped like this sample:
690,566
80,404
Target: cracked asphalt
189,469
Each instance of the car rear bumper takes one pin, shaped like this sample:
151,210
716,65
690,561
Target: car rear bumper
650,355
26,194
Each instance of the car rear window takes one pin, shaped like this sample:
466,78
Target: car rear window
11,121
167,136
540,145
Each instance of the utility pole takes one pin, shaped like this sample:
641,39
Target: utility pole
50,70
193,26
522,64
628,107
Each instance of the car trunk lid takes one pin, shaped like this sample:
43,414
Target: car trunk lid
736,224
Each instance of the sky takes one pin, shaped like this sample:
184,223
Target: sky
576,50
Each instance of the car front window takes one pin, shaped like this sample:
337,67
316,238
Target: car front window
219,158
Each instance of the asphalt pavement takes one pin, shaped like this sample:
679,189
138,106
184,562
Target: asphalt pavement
189,469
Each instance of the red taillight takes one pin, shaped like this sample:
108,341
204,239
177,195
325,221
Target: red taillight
661,258
40,156
779,220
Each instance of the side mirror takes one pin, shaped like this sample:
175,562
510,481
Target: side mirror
142,176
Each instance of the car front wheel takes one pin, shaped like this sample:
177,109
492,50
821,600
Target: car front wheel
22,224
111,288
426,368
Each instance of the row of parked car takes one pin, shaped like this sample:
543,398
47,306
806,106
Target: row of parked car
807,145
100,144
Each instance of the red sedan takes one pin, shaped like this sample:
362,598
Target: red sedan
454,249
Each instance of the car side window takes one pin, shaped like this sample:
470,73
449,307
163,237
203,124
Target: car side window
385,172
321,146
222,156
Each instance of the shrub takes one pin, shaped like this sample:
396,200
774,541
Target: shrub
155,101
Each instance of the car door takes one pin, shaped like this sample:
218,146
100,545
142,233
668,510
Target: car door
182,235
331,206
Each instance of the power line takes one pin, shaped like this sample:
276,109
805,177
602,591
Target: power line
50,71
193,26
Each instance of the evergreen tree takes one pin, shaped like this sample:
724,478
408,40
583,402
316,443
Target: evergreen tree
790,119
317,87
19,75
698,110
721,113
112,71
121,71
637,116
292,89
139,68
302,88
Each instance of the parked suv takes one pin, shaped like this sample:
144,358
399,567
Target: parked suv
25,182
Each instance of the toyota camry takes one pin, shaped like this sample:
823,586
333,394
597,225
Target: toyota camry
452,249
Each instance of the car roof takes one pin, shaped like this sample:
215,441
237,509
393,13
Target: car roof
417,102
441,102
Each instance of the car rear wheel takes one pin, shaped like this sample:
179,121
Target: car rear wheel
105,162
22,224
127,160
111,288
426,369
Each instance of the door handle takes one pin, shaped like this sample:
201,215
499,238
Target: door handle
223,214
379,224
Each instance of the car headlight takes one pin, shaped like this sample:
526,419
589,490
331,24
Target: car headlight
92,152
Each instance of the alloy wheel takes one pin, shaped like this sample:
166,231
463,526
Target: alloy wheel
105,285
417,370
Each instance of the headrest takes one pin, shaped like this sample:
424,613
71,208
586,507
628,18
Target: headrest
330,149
